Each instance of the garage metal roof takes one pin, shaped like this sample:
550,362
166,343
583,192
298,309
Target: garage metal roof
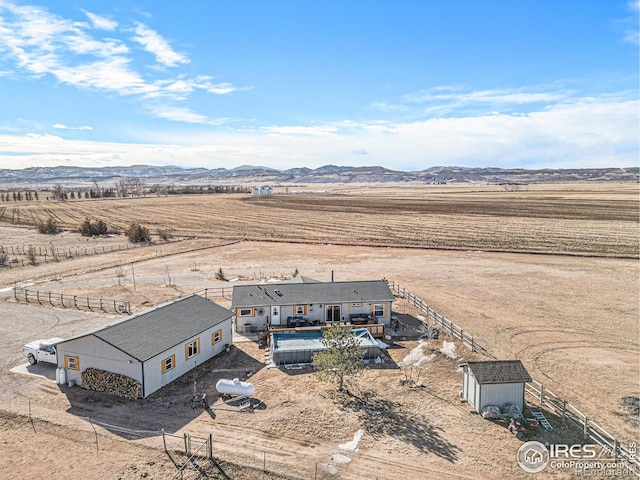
154,331
309,293
499,371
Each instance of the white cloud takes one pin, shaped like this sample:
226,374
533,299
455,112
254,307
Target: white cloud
42,43
101,23
155,44
592,132
319,130
497,96
61,126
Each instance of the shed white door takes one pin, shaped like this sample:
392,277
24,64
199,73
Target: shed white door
275,315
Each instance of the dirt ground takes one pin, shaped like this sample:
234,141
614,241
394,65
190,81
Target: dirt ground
572,320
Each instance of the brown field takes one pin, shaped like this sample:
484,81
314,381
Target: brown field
572,319
599,220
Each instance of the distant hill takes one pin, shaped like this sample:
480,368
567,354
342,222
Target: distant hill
38,177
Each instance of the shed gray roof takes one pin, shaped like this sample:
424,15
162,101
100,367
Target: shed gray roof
499,371
308,293
154,331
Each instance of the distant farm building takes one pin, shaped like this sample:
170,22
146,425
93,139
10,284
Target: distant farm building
139,355
262,191
308,303
494,383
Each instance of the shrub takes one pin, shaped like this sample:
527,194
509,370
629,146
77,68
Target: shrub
31,254
136,233
48,227
89,229
220,275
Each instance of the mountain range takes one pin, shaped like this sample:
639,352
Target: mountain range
68,176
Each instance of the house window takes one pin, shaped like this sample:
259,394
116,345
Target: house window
246,312
191,349
71,362
168,364
300,310
378,310
216,337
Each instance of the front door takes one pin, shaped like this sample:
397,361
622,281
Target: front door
333,313
275,315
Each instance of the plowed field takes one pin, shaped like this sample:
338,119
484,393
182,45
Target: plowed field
595,220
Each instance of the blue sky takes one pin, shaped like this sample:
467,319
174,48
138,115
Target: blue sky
403,84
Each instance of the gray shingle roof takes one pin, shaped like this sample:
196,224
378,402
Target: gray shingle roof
152,332
499,371
308,293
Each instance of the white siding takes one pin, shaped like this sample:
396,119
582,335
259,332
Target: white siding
470,388
500,393
154,379
93,352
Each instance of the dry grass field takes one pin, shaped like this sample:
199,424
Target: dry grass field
570,314
599,220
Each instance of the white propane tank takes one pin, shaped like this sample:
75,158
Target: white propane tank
235,387
57,376
63,376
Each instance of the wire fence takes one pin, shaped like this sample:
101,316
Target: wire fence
62,300
43,254
193,456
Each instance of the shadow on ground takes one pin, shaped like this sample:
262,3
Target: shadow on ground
380,416
170,408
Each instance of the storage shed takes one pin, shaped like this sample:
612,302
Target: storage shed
494,383
139,355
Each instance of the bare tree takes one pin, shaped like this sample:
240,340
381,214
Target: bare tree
58,192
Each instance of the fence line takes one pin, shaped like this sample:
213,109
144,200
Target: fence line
216,292
590,429
71,301
447,325
55,254
545,397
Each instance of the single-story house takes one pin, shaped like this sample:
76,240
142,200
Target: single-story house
152,348
258,307
494,383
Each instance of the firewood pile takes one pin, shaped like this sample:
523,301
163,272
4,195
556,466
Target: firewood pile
115,383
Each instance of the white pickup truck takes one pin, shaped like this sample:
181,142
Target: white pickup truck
42,351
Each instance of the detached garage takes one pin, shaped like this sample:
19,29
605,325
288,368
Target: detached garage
139,355
494,383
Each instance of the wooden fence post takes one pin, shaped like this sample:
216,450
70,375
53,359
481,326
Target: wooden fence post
564,413
541,393
62,300
585,430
